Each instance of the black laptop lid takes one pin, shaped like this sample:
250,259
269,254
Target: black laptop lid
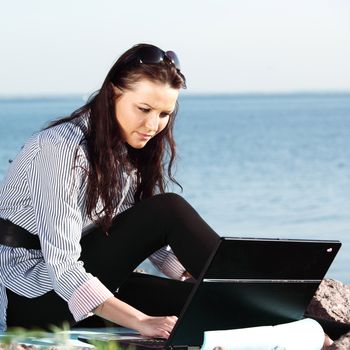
253,282
264,258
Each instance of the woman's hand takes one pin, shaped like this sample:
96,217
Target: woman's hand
119,312
185,276
159,327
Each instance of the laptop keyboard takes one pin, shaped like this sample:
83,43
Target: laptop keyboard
152,342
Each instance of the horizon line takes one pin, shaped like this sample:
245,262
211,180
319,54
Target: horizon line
84,96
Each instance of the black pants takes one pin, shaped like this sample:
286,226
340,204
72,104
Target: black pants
135,235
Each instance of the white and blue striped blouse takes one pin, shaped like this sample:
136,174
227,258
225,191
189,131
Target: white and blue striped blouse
44,192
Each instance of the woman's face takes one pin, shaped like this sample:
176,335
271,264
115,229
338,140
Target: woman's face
143,111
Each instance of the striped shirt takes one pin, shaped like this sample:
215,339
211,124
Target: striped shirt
44,191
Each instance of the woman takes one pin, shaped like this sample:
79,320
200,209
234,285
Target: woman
84,203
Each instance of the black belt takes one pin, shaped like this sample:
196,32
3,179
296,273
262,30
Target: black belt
16,236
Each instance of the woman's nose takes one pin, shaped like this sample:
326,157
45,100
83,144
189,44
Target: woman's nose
152,122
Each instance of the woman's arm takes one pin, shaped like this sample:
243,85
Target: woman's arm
56,184
117,311
55,181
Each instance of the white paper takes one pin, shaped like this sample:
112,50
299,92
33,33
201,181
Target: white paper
305,334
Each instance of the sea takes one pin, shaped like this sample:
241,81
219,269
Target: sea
253,165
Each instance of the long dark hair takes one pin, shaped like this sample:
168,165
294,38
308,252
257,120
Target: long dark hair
106,148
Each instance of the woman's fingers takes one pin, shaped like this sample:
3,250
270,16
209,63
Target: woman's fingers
169,323
163,334
158,326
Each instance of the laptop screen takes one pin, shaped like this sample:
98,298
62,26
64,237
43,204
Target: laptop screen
253,282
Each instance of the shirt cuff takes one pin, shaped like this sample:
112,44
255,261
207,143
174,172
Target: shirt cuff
87,297
166,261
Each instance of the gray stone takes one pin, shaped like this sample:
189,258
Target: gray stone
343,343
331,301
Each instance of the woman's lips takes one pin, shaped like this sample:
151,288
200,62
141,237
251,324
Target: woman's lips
144,136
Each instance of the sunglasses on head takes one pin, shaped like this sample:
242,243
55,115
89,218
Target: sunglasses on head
151,55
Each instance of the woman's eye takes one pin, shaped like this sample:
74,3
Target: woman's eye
164,115
144,110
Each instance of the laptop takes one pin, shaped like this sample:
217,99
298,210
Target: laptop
246,282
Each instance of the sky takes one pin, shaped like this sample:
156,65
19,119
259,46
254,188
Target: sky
230,46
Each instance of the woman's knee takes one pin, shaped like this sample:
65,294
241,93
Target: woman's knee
172,203
170,198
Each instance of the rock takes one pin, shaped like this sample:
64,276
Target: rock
343,343
331,301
